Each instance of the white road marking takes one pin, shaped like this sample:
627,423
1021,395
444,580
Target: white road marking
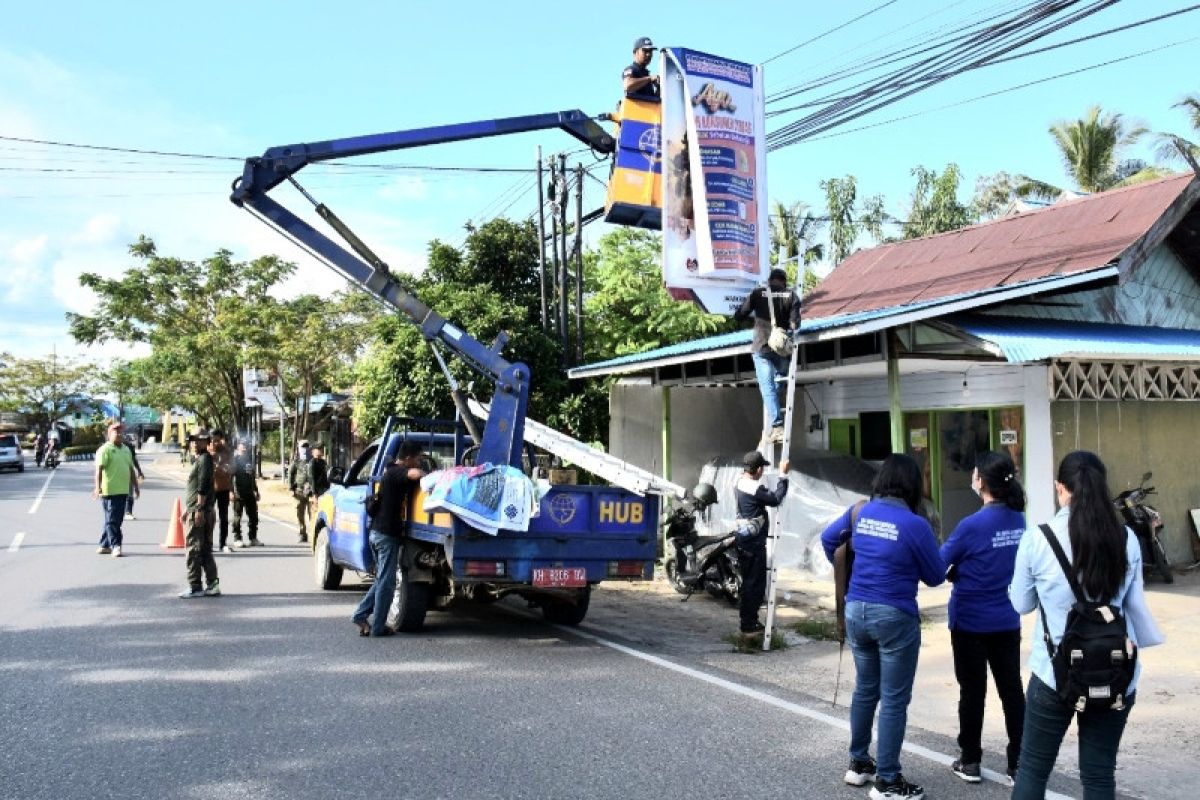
38,500
785,705
16,542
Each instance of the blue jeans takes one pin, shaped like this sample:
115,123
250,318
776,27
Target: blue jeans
885,642
378,599
767,367
114,515
1047,718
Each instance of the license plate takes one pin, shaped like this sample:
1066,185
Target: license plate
555,577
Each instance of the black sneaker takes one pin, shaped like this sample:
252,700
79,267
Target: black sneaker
758,628
968,772
860,773
896,789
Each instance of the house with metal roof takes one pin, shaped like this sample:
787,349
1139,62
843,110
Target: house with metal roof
1072,326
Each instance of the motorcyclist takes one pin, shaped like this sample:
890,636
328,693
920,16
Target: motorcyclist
39,448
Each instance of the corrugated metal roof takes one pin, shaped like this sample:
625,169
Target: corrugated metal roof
1063,239
812,329
1022,339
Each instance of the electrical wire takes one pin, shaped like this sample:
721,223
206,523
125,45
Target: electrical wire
834,29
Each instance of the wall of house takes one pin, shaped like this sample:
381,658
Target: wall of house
1162,293
1136,437
705,422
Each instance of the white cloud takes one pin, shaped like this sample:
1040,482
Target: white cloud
23,269
405,187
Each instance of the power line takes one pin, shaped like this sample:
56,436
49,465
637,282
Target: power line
1039,50
1005,90
834,29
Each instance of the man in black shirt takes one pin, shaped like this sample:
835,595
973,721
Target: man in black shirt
388,525
753,500
768,364
636,79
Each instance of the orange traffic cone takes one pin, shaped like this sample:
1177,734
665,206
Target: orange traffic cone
175,526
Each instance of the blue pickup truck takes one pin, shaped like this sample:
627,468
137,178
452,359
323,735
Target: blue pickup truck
583,535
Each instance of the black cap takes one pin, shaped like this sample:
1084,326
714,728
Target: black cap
200,434
777,275
643,43
753,460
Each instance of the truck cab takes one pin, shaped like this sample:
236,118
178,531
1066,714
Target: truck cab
581,536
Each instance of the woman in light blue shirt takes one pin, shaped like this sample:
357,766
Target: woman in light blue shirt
1108,562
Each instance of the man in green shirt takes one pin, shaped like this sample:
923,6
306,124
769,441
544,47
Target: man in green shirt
115,481
198,518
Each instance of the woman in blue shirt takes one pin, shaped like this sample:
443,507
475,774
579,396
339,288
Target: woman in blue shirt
984,629
894,548
1108,562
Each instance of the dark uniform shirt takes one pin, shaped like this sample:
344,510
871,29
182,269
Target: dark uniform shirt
318,469
200,482
244,482
394,490
648,91
787,316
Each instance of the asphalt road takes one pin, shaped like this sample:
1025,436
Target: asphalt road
114,687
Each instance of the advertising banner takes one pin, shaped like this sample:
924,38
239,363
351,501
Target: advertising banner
715,224
261,388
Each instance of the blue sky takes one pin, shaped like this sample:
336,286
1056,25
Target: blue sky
235,78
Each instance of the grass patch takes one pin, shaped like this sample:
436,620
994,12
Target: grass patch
754,643
819,629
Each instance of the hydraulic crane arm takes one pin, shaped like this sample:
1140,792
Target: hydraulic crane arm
504,433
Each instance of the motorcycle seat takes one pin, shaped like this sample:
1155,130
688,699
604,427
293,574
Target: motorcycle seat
704,541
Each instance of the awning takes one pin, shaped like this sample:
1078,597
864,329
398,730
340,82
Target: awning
1022,339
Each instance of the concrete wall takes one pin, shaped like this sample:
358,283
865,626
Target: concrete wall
1136,437
705,422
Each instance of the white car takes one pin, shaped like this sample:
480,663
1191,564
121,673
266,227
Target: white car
11,456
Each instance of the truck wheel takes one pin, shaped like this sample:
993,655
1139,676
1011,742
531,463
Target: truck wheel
409,604
327,573
561,612
672,570
1160,561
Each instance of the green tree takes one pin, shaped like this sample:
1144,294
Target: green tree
489,286
313,342
846,221
628,309
794,230
197,317
45,389
1091,148
1175,148
935,206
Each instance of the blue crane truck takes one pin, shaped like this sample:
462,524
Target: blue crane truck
582,535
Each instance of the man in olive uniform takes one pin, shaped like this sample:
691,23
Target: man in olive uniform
198,517
245,496
301,485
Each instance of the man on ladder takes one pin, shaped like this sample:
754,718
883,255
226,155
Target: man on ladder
776,313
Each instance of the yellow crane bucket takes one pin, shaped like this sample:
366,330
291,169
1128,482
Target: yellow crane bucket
635,183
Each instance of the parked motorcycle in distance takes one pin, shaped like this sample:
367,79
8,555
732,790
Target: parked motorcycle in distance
1145,521
695,562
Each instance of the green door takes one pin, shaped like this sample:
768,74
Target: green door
843,436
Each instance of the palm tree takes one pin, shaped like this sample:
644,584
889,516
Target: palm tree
793,231
1090,149
1172,147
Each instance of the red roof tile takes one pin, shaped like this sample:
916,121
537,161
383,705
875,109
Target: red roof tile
1070,238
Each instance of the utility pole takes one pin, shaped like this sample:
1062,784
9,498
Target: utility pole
541,238
554,201
579,263
563,302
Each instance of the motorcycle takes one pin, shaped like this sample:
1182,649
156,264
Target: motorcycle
695,562
52,458
1145,521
